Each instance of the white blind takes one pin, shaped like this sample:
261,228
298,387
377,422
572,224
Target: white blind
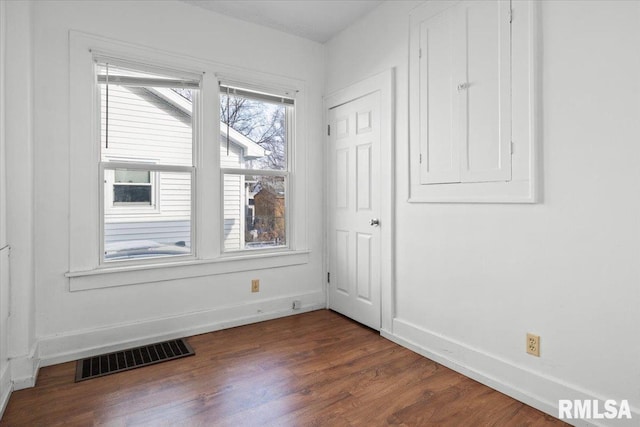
147,82
123,74
246,93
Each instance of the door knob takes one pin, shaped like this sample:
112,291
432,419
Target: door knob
374,222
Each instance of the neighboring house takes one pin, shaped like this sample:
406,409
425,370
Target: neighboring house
269,215
241,150
156,206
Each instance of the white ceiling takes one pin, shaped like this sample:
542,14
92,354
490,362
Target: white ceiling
317,20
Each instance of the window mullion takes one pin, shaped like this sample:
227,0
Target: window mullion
206,158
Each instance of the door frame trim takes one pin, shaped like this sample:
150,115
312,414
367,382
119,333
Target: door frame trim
383,83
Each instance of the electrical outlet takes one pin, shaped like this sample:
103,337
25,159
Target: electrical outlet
255,285
533,344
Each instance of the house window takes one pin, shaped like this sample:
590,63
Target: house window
197,190
129,190
256,131
132,187
146,162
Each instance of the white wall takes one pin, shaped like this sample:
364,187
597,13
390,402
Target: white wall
565,269
5,370
473,279
20,190
70,324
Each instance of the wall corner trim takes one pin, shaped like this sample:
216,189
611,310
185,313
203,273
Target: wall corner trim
24,369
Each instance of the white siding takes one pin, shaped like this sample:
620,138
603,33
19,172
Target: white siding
168,232
233,200
145,128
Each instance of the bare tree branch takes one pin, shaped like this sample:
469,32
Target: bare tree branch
261,122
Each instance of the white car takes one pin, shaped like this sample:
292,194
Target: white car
143,249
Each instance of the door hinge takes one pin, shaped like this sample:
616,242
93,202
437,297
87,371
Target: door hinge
329,130
328,277
420,158
420,53
513,145
510,16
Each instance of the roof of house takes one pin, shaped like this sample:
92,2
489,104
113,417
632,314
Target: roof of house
251,149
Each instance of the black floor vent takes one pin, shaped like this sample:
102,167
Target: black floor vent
105,364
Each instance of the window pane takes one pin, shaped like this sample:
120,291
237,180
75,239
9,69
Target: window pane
138,230
145,123
132,194
125,175
257,133
146,119
254,212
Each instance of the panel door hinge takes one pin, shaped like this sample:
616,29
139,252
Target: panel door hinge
513,147
329,130
420,158
328,277
510,16
420,53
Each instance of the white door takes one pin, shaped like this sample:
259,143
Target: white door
354,208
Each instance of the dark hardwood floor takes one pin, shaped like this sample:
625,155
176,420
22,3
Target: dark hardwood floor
317,368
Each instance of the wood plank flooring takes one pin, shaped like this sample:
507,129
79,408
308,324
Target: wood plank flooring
313,369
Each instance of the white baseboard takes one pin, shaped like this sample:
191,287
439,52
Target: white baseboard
5,387
530,387
86,343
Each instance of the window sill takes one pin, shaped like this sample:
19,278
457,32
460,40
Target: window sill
137,274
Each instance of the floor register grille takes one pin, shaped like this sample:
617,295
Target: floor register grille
111,363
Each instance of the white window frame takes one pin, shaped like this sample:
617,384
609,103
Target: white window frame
85,247
149,201
243,173
111,208
146,165
290,120
104,210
